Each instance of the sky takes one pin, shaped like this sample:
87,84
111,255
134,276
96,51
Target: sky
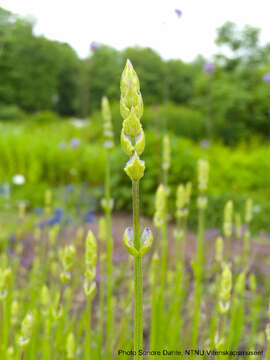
146,23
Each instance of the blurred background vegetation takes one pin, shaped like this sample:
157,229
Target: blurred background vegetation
51,127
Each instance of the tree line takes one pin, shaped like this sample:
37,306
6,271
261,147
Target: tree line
39,74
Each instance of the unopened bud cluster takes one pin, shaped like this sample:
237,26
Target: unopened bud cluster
219,250
166,155
228,216
225,289
67,257
183,194
26,329
90,264
203,174
132,135
107,123
5,276
160,206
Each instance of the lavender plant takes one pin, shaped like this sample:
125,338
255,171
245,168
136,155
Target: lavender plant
133,142
203,172
89,286
107,204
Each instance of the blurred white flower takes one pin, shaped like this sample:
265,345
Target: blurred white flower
18,179
256,208
78,123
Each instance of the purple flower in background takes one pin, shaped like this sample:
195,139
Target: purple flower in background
266,78
94,46
89,217
209,68
205,143
178,12
70,188
38,210
74,143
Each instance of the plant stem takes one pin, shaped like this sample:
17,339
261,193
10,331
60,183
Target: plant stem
109,259
154,317
88,330
198,279
138,313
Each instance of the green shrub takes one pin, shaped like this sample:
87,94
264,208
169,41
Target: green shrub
11,113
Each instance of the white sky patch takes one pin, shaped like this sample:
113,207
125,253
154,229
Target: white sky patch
147,23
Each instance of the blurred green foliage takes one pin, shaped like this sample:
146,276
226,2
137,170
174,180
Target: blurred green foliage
38,74
75,154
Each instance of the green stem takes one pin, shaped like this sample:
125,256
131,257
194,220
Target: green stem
88,330
101,312
198,279
138,313
109,259
154,317
267,356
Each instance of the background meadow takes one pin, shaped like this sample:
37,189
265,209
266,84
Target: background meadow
65,295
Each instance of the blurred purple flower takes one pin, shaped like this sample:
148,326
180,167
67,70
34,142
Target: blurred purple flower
70,188
178,12
212,233
38,210
89,217
26,261
94,46
74,143
12,238
42,224
205,143
209,68
266,78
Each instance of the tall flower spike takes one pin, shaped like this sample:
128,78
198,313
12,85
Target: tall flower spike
203,173
166,161
160,206
90,264
107,123
225,290
132,135
228,216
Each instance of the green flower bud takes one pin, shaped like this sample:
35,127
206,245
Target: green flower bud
102,229
131,125
90,251
249,212
68,257
166,161
71,346
89,288
132,135
107,124
107,205
160,206
203,173
146,241
128,240
219,250
228,213
135,168
14,311
26,330
225,289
